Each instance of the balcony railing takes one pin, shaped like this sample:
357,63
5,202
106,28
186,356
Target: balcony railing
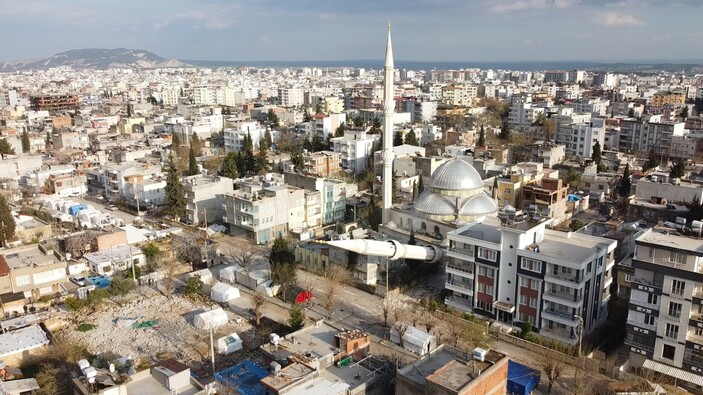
562,277
466,285
459,303
698,293
639,280
566,295
642,325
639,345
559,314
462,268
643,303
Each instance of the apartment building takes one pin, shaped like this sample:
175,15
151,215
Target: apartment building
580,138
513,269
459,94
291,97
548,197
661,99
334,194
262,212
322,163
204,197
641,136
421,111
55,102
234,137
665,319
32,271
356,148
325,125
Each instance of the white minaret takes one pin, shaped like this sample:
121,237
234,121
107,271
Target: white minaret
388,110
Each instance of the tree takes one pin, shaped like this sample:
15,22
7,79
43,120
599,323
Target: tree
47,379
387,305
553,369
631,113
175,142
375,126
229,166
306,115
296,159
482,137
7,222
596,155
245,257
272,118
334,276
197,145
5,148
121,286
397,138
318,107
26,145
259,300
575,225
175,194
193,169
194,285
262,160
280,252
285,275
625,182
684,113
129,110
169,267
678,169
411,138
248,155
652,161
267,140
339,132
296,318
505,131
573,177
401,328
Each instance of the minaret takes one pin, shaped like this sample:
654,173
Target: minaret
388,110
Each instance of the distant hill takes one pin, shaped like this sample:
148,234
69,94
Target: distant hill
95,58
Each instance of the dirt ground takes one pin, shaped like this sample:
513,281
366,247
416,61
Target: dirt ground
174,333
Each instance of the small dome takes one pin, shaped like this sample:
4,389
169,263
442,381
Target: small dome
479,205
434,204
456,175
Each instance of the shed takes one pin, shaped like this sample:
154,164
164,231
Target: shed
415,340
521,379
222,292
229,344
210,319
171,374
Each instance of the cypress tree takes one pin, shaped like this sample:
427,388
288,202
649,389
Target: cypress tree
625,182
397,138
229,166
192,163
482,137
26,145
411,138
175,195
7,222
6,148
597,156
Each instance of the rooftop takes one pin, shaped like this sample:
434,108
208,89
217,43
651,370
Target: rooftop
120,253
671,241
21,340
312,342
26,256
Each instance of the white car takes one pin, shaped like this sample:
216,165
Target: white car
111,207
80,281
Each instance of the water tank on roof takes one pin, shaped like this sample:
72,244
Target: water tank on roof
654,178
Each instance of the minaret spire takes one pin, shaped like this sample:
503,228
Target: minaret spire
388,110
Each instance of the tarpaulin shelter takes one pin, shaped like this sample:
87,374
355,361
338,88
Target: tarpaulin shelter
222,292
210,319
303,297
521,379
229,344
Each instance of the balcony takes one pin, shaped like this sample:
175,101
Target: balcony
464,269
569,296
693,338
562,277
642,325
641,346
645,304
465,287
459,303
560,316
643,281
561,335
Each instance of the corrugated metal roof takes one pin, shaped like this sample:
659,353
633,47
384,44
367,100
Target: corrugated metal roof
680,374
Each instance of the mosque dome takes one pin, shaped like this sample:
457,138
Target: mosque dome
457,175
434,204
480,204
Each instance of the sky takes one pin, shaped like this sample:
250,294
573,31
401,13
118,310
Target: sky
423,30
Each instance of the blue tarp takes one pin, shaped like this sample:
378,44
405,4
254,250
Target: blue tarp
73,210
573,198
244,378
521,379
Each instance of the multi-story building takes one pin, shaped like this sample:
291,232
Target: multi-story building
641,136
579,138
324,125
688,147
31,271
547,197
661,99
234,137
665,319
204,197
334,194
511,181
460,94
322,163
516,270
264,212
356,148
556,76
421,111
291,97
54,102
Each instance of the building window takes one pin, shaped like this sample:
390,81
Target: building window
523,300
481,288
652,252
531,264
524,282
672,331
677,257
677,287
668,352
533,302
491,273
489,289
652,299
485,253
628,277
649,319
674,309
534,284
22,280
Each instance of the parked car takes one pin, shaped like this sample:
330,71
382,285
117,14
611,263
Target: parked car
80,281
111,207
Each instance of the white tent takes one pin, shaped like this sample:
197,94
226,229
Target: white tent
267,288
415,340
205,275
210,319
228,274
222,292
229,344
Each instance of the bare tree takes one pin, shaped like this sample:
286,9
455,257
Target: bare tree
334,276
401,327
244,256
284,274
169,267
581,384
79,243
454,331
552,368
259,300
438,331
428,319
187,247
386,305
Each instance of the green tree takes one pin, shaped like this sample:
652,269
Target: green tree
152,253
575,225
175,142
376,126
411,138
505,131
248,155
482,137
121,286
573,177
192,163
280,252
297,317
267,140
7,222
306,115
175,195
26,145
397,138
597,155
272,119
5,148
197,145
374,214
339,132
631,113
684,113
318,107
229,166
194,285
625,182
262,160
296,158
285,275
678,169
652,161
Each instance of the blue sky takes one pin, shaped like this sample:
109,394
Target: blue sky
425,30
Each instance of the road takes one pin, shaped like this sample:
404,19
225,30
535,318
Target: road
102,206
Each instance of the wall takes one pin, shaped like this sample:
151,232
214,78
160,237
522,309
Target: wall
113,239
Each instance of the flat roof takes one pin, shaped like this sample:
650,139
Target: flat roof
672,241
27,256
482,232
288,377
120,252
318,340
23,339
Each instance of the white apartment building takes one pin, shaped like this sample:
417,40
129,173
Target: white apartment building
596,107
420,111
579,138
518,272
641,136
326,125
204,197
333,195
460,94
291,97
170,95
234,137
523,112
665,319
356,148
430,133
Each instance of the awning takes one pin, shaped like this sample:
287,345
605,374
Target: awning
677,373
504,306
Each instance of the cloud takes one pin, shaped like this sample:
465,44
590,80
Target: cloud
526,5
613,19
213,18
